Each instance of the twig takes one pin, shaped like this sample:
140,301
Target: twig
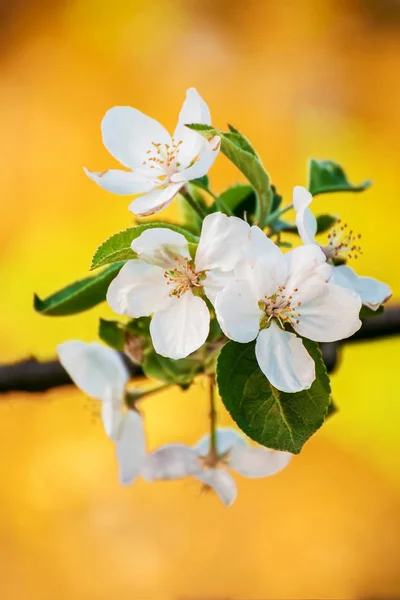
30,375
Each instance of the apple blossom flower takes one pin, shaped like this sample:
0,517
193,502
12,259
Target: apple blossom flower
274,290
175,461
101,374
341,242
167,283
159,166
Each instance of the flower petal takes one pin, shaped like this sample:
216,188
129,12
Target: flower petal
284,360
138,290
305,220
215,281
221,482
128,134
372,292
181,328
154,201
255,461
130,447
96,370
226,439
330,315
161,246
262,264
307,270
172,461
203,162
238,312
194,110
112,417
121,182
221,242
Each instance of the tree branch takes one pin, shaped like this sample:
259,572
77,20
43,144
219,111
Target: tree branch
30,375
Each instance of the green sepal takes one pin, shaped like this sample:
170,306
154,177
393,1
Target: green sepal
78,296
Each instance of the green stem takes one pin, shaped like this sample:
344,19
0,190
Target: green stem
213,416
277,213
133,396
192,202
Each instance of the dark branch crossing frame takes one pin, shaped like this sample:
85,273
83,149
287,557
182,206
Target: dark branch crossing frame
30,375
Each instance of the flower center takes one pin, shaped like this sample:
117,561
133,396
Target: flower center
342,241
280,306
163,157
183,277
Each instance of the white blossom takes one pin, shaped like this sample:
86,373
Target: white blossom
175,461
159,166
343,243
101,374
273,290
167,283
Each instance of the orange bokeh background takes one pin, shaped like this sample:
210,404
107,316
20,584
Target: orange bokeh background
312,78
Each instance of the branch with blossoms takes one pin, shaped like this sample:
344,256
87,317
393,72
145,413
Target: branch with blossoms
220,295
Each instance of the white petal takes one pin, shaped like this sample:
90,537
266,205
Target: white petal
262,264
373,293
194,110
161,246
221,242
203,163
130,447
330,315
215,281
154,201
238,313
181,328
306,269
221,482
255,461
112,417
121,182
96,370
284,360
226,439
128,134
138,290
172,461
305,220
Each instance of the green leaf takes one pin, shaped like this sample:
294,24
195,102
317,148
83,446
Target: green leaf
112,333
368,313
325,222
202,182
235,195
180,372
281,225
272,418
239,150
79,296
118,246
326,176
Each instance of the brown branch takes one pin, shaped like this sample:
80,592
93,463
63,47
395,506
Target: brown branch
30,375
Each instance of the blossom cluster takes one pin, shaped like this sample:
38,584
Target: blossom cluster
235,273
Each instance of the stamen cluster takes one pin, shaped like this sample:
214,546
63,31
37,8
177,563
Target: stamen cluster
281,307
342,242
183,277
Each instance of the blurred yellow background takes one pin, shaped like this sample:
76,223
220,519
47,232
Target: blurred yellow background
300,78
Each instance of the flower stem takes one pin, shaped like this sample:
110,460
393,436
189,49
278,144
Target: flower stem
132,396
213,416
192,202
277,213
